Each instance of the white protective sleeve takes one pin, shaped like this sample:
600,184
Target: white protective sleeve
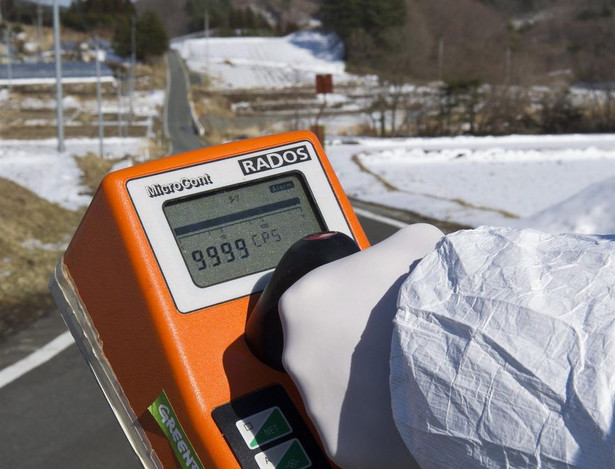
337,323
503,353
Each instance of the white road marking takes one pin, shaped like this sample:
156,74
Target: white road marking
380,218
35,359
65,340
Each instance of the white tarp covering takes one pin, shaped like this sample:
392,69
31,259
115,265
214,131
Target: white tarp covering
503,352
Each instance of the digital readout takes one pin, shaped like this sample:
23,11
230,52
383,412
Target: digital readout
241,230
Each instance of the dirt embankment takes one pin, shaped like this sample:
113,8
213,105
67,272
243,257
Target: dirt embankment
33,235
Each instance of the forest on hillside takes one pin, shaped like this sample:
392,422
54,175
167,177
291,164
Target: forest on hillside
496,41
491,66
503,66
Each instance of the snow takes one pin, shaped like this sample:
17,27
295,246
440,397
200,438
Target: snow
68,102
551,183
588,211
55,176
555,183
265,62
145,103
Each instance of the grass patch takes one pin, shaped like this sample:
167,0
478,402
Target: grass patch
93,169
33,235
151,76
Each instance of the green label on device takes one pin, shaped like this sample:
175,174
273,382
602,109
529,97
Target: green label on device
163,413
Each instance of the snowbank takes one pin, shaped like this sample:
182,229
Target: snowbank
265,62
485,181
55,176
590,212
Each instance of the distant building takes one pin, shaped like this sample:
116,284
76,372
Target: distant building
43,73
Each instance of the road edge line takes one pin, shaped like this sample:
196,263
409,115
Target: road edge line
65,340
35,359
381,218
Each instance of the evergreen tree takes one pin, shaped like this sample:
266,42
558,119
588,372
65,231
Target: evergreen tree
342,16
346,17
85,15
121,38
379,16
219,13
151,37
250,22
364,23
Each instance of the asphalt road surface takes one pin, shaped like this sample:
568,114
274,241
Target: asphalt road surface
179,123
55,416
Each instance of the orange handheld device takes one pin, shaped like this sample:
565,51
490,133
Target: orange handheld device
158,281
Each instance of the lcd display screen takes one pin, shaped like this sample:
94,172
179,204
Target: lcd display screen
243,229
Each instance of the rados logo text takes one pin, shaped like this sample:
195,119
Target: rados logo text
274,159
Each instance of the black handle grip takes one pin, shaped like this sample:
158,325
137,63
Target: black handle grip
264,334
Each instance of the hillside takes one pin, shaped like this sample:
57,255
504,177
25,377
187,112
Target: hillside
30,246
498,41
279,12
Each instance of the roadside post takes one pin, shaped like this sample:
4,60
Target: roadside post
9,59
324,86
158,284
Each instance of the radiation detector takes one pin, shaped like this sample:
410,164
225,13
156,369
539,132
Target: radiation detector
157,285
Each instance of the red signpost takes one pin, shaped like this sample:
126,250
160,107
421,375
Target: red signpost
324,85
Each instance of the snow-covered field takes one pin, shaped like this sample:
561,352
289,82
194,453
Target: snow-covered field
553,183
481,181
259,62
145,104
146,108
55,176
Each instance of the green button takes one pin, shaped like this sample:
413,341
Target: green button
274,427
287,455
263,427
295,458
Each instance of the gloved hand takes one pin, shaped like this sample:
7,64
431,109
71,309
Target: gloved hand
337,323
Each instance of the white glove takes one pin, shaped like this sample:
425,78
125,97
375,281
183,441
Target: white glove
337,324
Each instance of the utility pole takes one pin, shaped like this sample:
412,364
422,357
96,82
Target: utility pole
101,149
207,39
39,12
9,59
119,102
56,47
508,64
133,59
440,59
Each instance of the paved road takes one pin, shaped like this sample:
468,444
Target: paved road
55,416
179,123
